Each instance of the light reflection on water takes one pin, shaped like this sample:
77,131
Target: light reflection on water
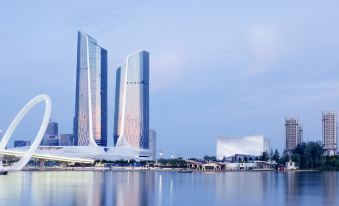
169,188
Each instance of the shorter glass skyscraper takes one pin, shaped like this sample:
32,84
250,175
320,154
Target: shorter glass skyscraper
131,119
90,121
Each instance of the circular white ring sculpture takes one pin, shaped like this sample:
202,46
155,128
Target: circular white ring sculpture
48,107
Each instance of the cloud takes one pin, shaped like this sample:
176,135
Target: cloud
306,96
265,46
166,67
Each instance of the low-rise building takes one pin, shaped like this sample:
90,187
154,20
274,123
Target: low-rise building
291,165
50,141
22,143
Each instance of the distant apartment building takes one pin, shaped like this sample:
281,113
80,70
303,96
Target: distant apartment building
153,144
66,140
330,132
293,132
22,143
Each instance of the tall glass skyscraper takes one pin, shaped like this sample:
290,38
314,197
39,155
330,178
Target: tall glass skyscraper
131,119
90,121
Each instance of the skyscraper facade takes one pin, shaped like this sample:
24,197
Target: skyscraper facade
90,121
131,119
153,144
330,132
293,132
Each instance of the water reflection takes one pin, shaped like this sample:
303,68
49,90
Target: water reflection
292,188
169,188
133,188
330,191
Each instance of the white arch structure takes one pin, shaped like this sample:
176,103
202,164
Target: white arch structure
47,114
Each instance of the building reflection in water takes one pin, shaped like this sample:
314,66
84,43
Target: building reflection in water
232,185
330,191
159,187
133,188
169,188
74,188
293,188
13,185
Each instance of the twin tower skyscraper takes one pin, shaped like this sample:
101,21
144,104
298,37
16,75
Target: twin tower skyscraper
131,112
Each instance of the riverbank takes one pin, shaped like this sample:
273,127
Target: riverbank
137,169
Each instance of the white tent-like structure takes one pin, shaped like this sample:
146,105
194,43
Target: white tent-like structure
253,145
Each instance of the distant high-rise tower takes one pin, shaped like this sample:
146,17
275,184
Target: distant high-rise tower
51,135
153,143
131,119
294,133
330,132
52,129
90,121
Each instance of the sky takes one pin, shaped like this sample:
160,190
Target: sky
218,68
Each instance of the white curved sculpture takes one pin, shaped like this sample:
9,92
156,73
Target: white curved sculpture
48,107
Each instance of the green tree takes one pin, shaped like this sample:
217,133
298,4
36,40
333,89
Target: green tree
296,158
270,155
284,158
276,156
264,156
309,155
210,158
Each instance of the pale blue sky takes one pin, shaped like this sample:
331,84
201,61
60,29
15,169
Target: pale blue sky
229,68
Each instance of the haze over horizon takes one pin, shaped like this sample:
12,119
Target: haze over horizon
218,68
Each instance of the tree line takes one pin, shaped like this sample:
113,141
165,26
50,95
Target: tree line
307,155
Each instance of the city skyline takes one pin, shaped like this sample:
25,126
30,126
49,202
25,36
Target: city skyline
227,75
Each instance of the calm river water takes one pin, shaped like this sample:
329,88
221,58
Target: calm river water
169,188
